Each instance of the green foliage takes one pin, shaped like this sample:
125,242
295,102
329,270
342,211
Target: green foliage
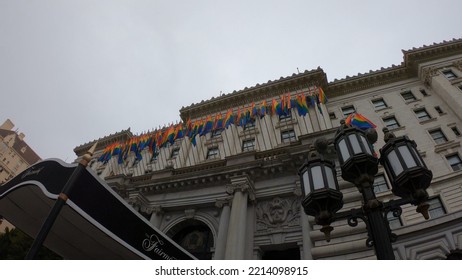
14,245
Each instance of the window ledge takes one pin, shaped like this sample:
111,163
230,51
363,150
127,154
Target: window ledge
249,131
413,101
447,145
456,80
427,121
383,109
286,123
213,141
397,129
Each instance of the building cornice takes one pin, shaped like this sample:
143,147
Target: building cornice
256,93
103,142
408,69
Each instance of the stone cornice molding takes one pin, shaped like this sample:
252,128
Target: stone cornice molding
103,142
259,92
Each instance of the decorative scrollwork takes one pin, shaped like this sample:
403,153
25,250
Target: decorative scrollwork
369,242
352,221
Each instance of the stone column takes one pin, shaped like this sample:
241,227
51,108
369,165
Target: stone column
241,187
156,216
220,247
306,227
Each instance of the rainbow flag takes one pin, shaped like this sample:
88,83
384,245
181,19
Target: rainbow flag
301,105
253,110
359,121
263,109
207,126
229,118
179,131
322,97
218,123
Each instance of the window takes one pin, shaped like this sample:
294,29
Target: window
422,114
455,130
249,125
423,92
216,133
439,110
394,222
348,110
248,145
332,116
438,136
436,208
175,152
449,74
408,96
380,184
455,162
391,123
285,116
212,153
379,104
288,136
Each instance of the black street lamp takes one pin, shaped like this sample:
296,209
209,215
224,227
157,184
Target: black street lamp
407,172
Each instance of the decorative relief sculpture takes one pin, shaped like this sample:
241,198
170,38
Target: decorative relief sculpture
278,213
458,65
428,74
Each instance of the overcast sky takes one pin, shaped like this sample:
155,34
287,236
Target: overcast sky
75,71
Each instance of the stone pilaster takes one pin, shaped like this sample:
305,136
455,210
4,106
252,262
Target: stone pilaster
220,247
242,189
156,216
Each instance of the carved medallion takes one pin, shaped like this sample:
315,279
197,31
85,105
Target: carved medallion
278,213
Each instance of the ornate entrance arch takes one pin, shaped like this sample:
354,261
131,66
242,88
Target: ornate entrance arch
194,236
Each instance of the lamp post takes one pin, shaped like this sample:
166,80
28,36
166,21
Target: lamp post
405,168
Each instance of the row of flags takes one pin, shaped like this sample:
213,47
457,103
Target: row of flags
167,135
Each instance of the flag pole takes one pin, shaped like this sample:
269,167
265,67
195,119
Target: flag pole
60,202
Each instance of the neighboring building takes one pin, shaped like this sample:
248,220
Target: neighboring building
15,156
236,193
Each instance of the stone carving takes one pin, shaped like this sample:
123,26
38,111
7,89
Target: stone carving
428,74
458,65
278,213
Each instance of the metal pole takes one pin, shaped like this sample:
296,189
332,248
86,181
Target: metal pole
60,202
378,228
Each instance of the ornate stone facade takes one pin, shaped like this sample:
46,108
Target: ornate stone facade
247,201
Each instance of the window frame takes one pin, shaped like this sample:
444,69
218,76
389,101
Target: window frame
249,125
379,187
385,119
346,108
286,116
433,209
247,148
457,165
216,133
449,74
408,96
384,104
175,152
437,138
422,114
392,220
456,131
213,155
292,136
